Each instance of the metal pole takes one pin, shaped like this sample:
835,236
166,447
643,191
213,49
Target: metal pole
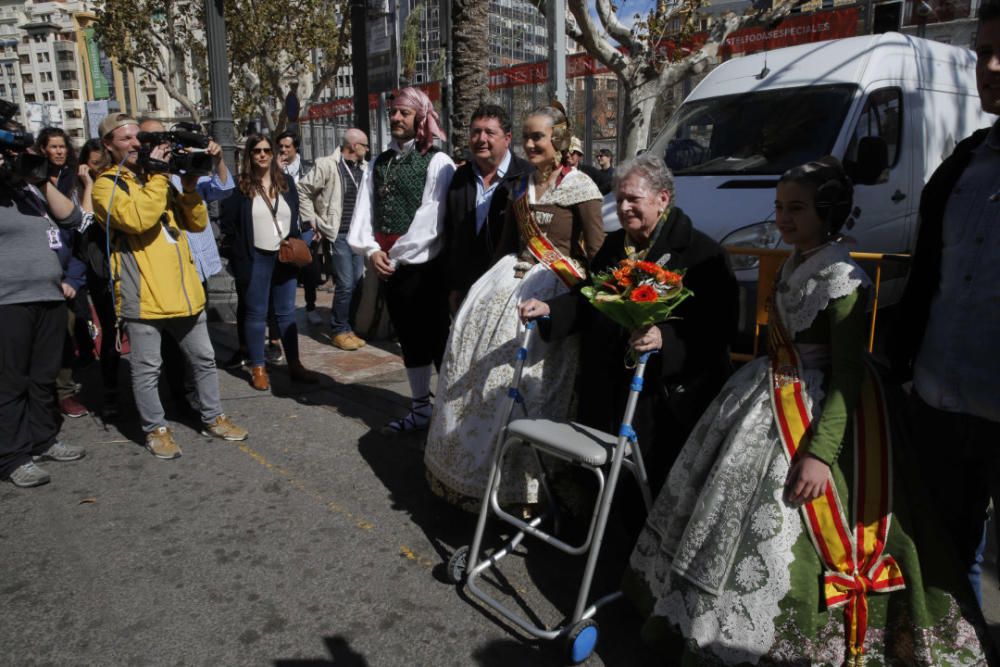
556,18
447,97
359,64
313,130
588,118
218,77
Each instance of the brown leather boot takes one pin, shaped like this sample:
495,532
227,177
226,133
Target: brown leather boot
259,379
298,373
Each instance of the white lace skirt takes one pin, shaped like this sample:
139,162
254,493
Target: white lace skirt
478,367
717,546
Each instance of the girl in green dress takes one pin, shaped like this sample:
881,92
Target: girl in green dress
787,532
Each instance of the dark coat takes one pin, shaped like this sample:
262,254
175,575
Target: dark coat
471,254
602,179
925,273
693,363
236,226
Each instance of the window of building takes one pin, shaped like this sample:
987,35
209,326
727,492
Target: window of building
29,97
49,96
71,94
28,78
74,113
76,133
67,76
43,57
46,76
24,59
151,102
9,68
3,89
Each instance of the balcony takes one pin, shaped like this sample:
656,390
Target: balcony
66,66
72,84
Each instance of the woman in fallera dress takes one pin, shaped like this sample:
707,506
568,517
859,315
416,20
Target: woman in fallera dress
789,530
553,230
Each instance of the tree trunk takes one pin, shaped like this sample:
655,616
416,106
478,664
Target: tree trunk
470,26
640,100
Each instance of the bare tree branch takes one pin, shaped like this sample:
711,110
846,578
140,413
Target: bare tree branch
596,45
616,29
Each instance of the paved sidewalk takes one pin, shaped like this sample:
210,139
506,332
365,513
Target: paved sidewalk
315,542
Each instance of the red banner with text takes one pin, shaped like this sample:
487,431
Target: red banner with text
802,29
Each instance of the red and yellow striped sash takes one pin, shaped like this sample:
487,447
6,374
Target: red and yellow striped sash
853,554
541,248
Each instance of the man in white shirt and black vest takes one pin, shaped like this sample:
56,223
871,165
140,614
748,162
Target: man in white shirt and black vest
398,224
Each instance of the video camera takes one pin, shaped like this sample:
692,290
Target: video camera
187,151
18,163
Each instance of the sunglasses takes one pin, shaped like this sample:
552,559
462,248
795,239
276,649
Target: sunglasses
260,151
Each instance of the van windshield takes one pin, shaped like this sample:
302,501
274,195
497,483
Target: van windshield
762,132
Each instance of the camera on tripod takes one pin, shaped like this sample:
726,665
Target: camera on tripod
187,151
18,163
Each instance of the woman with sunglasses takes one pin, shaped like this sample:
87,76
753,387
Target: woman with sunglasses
261,213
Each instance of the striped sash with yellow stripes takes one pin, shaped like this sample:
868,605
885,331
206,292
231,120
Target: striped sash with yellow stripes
853,554
540,247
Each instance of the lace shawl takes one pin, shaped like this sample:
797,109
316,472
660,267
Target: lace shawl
803,291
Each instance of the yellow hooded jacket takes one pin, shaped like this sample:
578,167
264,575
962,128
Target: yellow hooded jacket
155,275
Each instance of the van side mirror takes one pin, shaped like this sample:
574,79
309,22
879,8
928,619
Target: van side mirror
872,161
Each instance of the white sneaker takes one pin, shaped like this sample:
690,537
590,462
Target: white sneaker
314,318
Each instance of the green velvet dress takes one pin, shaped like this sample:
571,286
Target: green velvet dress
725,571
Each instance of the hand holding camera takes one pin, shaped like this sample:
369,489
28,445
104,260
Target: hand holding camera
183,151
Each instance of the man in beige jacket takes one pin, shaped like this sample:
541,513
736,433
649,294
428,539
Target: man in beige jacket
326,199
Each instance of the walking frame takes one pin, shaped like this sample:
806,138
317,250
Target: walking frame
577,445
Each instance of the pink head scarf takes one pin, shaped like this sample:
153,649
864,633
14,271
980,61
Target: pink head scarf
426,121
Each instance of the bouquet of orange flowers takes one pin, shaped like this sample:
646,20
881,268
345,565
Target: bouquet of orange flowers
637,293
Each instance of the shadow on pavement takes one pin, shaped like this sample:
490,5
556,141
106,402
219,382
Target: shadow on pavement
341,655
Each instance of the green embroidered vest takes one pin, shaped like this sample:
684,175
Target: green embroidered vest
399,189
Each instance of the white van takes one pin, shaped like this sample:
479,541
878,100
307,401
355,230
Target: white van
890,106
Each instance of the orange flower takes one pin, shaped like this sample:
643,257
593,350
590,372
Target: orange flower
650,268
643,293
623,276
665,277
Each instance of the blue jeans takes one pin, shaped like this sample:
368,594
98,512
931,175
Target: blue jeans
348,270
271,278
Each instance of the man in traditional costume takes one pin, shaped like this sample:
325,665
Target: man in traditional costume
398,225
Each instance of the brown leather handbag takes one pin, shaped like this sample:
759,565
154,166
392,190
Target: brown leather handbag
290,250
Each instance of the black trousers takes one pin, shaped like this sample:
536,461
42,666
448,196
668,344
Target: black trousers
959,459
417,299
31,341
104,304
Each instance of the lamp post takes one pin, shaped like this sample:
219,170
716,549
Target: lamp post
218,77
556,16
359,64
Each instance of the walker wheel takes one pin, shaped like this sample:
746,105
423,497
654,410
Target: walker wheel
456,565
581,641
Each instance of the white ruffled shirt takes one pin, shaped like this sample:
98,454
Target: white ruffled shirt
425,238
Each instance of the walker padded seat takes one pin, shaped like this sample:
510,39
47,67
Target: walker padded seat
573,441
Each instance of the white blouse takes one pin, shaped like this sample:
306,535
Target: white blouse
425,237
265,236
